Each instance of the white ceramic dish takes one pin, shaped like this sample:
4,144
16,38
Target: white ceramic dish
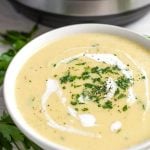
32,48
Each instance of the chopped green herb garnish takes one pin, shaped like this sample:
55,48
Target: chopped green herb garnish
73,103
80,64
76,109
125,108
116,68
95,70
107,105
118,131
76,86
88,85
54,65
85,75
117,92
33,98
64,87
121,96
143,77
85,109
55,75
123,82
67,78
143,106
94,85
99,105
96,80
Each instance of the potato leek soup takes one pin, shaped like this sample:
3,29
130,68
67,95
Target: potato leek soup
88,91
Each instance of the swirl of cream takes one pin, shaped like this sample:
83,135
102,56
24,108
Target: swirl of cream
52,86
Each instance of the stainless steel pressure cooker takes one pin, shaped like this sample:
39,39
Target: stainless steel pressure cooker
63,12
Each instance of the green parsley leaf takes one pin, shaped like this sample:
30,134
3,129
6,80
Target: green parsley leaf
85,109
67,78
123,82
125,108
121,96
16,40
11,136
107,105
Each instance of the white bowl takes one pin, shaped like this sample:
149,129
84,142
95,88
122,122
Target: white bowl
31,48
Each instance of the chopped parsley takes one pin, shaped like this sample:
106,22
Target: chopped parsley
121,96
73,103
67,78
143,77
118,131
76,109
117,92
143,106
91,84
123,82
79,64
55,75
54,65
85,75
125,108
96,80
107,105
95,70
64,87
85,109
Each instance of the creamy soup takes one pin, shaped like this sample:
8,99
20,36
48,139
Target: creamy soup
88,92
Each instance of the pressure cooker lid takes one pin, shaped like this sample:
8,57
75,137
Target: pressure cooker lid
85,7
60,18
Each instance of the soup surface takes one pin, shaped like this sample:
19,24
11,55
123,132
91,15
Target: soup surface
88,92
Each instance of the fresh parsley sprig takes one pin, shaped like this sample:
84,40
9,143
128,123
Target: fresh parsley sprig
10,136
16,40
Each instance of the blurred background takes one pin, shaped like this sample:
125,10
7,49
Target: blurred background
23,14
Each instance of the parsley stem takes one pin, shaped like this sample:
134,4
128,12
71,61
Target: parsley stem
16,145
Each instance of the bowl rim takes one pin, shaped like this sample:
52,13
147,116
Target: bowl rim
34,46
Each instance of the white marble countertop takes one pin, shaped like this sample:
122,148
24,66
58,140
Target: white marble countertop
10,19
